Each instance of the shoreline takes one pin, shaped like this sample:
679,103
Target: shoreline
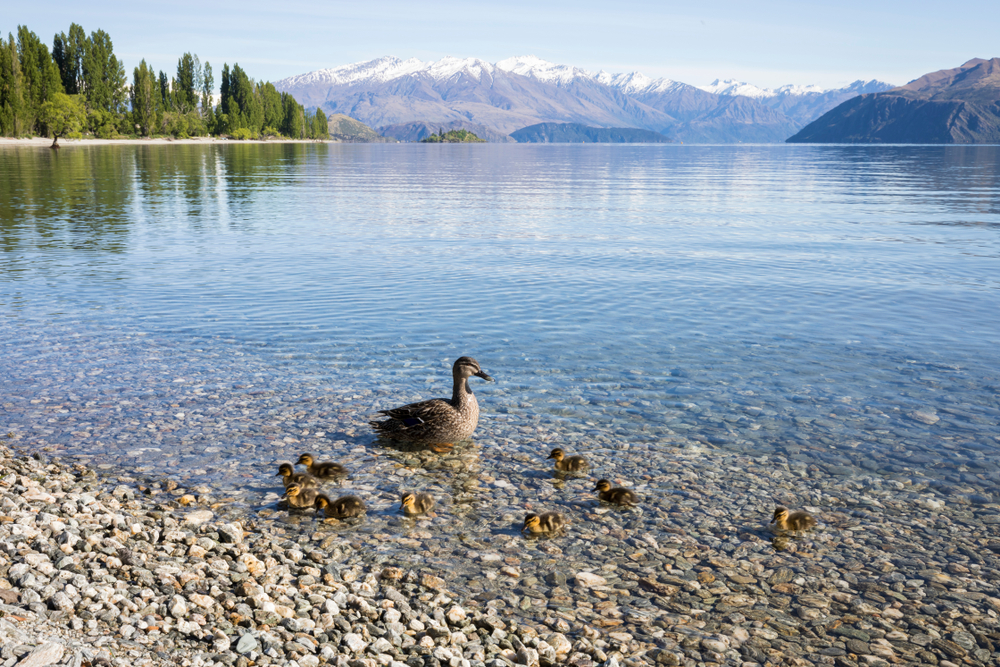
66,143
140,566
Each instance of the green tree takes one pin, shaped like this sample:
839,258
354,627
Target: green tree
145,98
187,74
320,125
245,108
207,88
271,102
68,50
40,77
293,123
63,114
103,75
165,97
13,116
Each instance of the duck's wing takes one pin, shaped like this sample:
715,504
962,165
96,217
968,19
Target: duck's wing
415,414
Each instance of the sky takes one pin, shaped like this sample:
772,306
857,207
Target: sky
766,43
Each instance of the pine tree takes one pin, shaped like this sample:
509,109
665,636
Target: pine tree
271,102
165,96
320,125
293,125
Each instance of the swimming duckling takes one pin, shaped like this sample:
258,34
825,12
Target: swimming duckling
618,496
321,469
797,520
303,479
416,503
300,497
341,508
548,522
568,464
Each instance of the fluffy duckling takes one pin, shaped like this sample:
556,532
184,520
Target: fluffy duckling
321,469
547,522
797,520
341,508
617,496
300,497
568,463
303,479
416,503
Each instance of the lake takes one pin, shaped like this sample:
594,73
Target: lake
205,312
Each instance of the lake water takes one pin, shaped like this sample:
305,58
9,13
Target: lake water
203,312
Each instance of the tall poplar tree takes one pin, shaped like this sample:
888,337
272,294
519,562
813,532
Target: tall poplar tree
185,97
68,50
207,88
13,121
40,77
144,98
103,75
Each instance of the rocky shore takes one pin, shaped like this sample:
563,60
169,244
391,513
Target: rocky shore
95,571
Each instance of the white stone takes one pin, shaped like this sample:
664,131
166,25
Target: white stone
590,579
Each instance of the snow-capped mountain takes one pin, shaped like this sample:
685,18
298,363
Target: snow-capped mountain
525,90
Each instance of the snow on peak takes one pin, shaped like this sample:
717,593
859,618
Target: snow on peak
730,87
542,70
381,69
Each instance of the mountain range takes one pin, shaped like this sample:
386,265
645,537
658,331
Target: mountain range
950,106
403,98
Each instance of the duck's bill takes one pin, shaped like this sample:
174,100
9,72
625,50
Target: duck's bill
482,374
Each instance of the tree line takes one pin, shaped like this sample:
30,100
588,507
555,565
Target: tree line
81,86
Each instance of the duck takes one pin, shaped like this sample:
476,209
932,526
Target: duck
341,508
300,497
303,479
798,520
617,496
416,503
547,522
568,463
321,469
439,421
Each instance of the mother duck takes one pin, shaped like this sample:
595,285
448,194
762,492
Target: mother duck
439,421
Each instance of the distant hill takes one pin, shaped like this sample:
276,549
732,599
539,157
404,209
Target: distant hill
397,96
953,106
574,133
420,130
346,129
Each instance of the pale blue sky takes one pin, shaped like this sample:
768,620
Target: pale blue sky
767,43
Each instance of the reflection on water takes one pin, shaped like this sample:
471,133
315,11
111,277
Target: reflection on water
222,307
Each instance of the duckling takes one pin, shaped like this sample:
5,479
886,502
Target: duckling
618,496
291,477
568,464
416,503
321,469
797,520
341,508
548,522
300,497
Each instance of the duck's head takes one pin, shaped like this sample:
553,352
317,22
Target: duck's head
603,485
557,454
322,501
305,460
531,521
407,500
284,470
293,490
780,514
466,367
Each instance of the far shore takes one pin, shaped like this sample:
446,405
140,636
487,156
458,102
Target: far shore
65,143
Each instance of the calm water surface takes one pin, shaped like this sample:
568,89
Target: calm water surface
207,311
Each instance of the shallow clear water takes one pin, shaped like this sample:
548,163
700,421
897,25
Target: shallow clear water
214,309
